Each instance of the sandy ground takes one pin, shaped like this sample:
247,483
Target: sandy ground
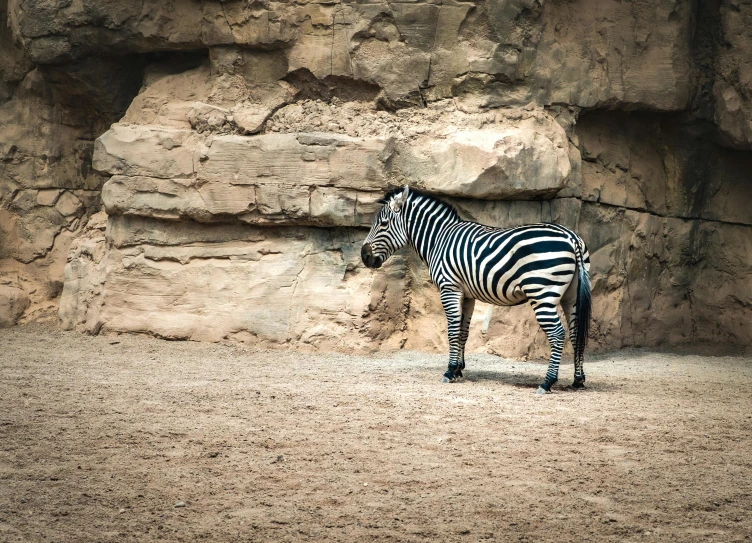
101,437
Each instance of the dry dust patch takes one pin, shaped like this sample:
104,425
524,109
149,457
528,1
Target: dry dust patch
134,439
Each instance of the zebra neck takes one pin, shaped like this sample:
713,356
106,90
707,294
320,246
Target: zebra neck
426,223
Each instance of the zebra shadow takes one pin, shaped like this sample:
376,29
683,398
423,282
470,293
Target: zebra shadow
531,382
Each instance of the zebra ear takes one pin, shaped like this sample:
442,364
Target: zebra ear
399,200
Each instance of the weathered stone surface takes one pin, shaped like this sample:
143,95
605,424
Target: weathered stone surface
310,159
68,204
281,178
649,271
721,291
46,192
48,197
13,303
647,289
13,62
602,53
300,286
323,178
529,159
643,162
491,53
733,71
85,273
296,285
146,151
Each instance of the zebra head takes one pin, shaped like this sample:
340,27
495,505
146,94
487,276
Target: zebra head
388,232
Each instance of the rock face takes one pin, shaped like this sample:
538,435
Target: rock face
326,178
238,151
585,53
733,85
47,190
607,53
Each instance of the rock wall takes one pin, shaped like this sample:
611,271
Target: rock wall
241,148
47,185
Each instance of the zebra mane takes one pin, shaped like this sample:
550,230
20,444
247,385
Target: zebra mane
388,196
424,196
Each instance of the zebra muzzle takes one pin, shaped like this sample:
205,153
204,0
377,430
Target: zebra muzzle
366,254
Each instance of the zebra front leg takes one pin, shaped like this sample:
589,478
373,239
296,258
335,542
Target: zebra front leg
468,306
549,321
452,302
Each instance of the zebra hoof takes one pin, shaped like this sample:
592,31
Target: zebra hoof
450,376
578,385
542,390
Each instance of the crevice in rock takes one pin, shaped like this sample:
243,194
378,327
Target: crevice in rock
663,216
346,89
706,38
696,178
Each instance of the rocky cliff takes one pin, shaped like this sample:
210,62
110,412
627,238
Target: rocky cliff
207,170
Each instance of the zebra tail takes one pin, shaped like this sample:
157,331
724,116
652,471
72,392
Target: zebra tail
582,307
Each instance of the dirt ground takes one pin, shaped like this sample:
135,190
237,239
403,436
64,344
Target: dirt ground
102,437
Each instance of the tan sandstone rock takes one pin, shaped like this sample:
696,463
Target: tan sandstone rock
298,285
488,53
46,192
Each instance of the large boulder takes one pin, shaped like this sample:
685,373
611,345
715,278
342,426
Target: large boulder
509,160
294,172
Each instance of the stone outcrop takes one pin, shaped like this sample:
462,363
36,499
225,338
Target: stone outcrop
323,178
238,151
643,163
490,53
301,285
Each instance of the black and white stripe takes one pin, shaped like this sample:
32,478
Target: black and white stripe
546,265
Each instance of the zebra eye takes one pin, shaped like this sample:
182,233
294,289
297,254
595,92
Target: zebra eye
384,222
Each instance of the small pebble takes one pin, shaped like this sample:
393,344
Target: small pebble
122,511
179,504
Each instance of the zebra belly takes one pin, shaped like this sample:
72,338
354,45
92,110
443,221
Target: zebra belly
507,271
518,297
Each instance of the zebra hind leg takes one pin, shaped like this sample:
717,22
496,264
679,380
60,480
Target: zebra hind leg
549,321
568,304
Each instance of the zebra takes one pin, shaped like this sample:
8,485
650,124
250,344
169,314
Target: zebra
544,264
